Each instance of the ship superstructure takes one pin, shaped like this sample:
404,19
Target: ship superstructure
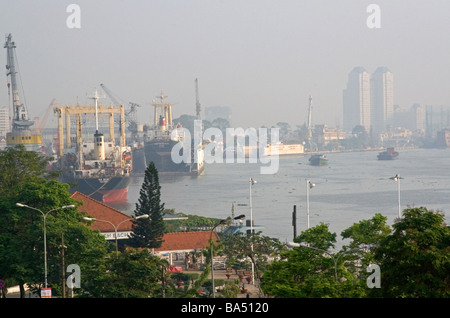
21,131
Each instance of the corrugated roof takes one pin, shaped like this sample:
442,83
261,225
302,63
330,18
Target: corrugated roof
182,241
100,211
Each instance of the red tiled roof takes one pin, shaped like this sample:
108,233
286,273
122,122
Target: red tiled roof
100,211
186,241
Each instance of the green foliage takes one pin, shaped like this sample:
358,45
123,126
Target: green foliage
22,239
415,258
311,270
193,223
133,274
18,166
251,249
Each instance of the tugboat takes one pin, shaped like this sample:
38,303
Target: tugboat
388,154
318,160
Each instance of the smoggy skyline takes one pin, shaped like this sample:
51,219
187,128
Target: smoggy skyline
261,58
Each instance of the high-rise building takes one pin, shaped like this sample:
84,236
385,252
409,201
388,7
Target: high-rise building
382,99
356,100
5,126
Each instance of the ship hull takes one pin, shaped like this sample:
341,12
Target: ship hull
283,149
105,190
160,153
389,154
387,157
317,160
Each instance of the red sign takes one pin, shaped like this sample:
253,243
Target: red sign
46,293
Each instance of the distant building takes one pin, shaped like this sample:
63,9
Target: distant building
382,99
5,123
443,138
413,119
356,100
324,134
214,112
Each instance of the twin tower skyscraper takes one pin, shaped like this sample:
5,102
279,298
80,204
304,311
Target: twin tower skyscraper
368,100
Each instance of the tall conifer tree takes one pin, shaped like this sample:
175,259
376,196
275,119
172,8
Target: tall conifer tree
149,232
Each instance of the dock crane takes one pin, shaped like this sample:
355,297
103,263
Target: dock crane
130,114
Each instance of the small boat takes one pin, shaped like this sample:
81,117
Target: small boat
318,160
388,154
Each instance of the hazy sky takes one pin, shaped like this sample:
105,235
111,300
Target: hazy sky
263,58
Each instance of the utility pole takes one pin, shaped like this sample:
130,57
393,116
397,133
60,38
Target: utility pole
294,220
63,267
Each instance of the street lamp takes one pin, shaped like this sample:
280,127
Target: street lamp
222,222
144,216
252,182
44,214
397,178
335,259
309,185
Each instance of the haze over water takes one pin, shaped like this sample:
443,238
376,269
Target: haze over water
353,187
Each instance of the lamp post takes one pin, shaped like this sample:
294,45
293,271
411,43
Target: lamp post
309,185
144,216
335,259
252,182
397,178
240,217
44,214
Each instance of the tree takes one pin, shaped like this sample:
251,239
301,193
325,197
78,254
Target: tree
149,232
415,259
22,241
252,249
366,237
134,274
311,270
18,166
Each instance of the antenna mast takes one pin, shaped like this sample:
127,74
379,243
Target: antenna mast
197,101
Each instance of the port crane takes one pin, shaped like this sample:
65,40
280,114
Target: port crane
21,132
131,114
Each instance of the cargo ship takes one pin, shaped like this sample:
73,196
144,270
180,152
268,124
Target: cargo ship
21,128
158,142
389,154
318,160
97,168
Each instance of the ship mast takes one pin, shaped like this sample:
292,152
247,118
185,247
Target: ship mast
165,122
99,141
20,114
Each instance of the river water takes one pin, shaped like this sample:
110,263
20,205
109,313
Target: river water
353,187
